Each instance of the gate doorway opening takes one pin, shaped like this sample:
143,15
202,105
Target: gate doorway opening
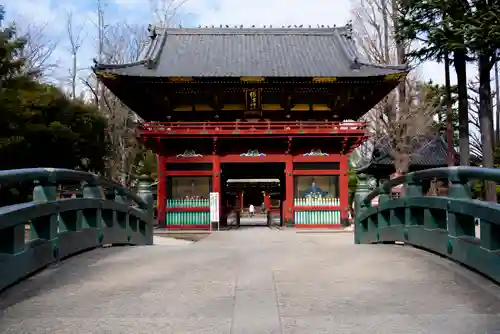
260,185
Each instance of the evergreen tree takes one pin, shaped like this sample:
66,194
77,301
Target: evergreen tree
39,125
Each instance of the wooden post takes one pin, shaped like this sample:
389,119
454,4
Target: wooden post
288,189
216,186
344,189
161,191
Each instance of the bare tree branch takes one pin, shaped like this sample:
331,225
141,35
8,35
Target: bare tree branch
38,50
476,147
404,119
75,43
165,11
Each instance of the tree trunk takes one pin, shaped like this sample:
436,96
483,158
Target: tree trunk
385,18
73,77
497,88
401,59
486,121
463,106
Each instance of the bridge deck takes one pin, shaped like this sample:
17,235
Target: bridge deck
254,281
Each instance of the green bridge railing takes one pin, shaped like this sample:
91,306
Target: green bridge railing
43,228
441,224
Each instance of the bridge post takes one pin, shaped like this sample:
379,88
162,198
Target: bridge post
92,218
145,193
362,190
460,225
45,227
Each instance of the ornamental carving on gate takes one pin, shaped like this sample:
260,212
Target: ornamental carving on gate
189,154
252,153
315,152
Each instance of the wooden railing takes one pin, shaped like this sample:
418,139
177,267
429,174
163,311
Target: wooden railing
261,127
445,224
37,227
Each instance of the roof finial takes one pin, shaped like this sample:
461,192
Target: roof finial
152,31
348,27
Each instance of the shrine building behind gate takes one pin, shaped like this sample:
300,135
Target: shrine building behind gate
261,116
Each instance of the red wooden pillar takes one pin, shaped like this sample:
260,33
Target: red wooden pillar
161,191
288,214
344,187
216,186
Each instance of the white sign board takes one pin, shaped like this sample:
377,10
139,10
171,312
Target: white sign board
214,207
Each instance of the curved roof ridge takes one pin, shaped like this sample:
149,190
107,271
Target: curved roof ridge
99,66
254,31
401,67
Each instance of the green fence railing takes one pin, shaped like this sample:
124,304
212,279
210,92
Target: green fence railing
442,224
37,227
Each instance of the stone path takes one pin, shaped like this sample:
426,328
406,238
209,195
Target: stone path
254,281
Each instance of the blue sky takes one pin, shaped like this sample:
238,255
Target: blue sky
53,13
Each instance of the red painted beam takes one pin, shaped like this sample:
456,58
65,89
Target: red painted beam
252,128
188,173
236,158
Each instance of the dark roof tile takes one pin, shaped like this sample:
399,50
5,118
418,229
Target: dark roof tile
216,52
429,152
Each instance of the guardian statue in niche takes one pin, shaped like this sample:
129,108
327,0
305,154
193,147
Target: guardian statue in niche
189,154
252,153
314,191
316,152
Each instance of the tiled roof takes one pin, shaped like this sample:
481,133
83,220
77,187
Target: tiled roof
429,152
271,52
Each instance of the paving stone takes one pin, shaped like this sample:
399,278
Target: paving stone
254,280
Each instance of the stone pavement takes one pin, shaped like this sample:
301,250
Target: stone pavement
254,281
